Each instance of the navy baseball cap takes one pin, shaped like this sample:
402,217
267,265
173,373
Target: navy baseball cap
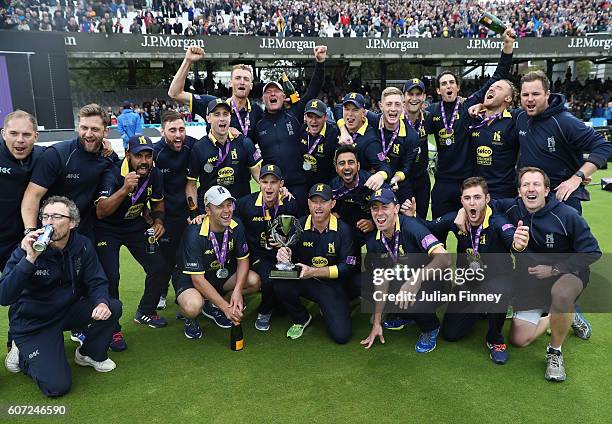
355,98
322,190
213,104
384,196
414,83
271,169
317,107
138,143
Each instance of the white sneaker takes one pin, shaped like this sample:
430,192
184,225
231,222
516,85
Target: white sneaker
11,362
85,361
162,303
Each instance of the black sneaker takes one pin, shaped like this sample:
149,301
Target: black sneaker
152,320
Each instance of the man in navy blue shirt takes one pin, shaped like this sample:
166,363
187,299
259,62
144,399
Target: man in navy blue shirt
554,140
244,113
171,156
18,156
257,211
277,134
219,158
124,191
326,259
72,169
62,288
557,248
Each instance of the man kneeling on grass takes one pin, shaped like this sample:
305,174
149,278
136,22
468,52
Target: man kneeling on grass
52,290
216,258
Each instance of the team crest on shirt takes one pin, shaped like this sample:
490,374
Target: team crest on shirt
551,144
289,128
550,241
497,136
331,248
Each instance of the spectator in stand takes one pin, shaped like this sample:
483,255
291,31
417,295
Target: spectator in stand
129,123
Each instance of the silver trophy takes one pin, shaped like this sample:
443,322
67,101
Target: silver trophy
285,230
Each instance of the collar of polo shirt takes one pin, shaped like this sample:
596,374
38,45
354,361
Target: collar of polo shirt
259,200
397,228
331,226
212,138
402,127
229,102
204,229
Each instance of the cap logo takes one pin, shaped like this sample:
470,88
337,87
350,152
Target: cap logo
415,81
218,101
353,96
378,193
320,187
270,167
221,190
142,140
314,104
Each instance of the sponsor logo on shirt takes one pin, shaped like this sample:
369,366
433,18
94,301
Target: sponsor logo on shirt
4,170
319,261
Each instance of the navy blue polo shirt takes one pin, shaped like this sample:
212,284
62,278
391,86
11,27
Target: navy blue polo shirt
414,238
198,105
66,169
322,158
333,248
198,255
495,148
173,167
352,206
403,151
233,173
249,210
128,216
367,140
14,178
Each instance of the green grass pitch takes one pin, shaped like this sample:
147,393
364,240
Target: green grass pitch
163,377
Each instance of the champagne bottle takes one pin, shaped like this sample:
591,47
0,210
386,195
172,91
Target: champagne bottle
193,209
236,338
289,89
492,22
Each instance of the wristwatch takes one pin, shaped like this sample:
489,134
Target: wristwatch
581,175
554,271
28,230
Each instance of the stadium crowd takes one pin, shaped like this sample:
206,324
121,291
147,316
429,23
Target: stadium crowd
318,18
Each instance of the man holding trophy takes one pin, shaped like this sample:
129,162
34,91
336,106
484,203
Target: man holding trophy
325,260
258,211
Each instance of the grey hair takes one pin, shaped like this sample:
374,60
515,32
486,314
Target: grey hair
73,211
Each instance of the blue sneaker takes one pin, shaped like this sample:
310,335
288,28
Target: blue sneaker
152,320
396,323
214,313
118,343
498,353
78,337
427,341
580,325
192,329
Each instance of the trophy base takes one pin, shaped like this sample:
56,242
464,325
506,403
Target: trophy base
292,274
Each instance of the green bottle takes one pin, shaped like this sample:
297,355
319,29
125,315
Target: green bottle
236,337
493,23
289,89
192,208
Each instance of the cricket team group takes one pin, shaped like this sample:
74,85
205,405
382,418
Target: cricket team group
509,182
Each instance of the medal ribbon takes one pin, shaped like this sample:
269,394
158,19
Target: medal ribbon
135,197
395,253
222,156
449,128
339,192
247,122
221,255
476,239
486,121
416,128
263,209
314,146
386,148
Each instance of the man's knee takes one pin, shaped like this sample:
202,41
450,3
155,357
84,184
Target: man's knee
56,387
521,336
253,282
191,302
341,335
116,308
451,334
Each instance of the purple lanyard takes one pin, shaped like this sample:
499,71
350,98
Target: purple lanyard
385,149
416,128
395,253
263,209
486,121
339,192
221,255
140,190
314,146
247,122
221,157
449,128
476,239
